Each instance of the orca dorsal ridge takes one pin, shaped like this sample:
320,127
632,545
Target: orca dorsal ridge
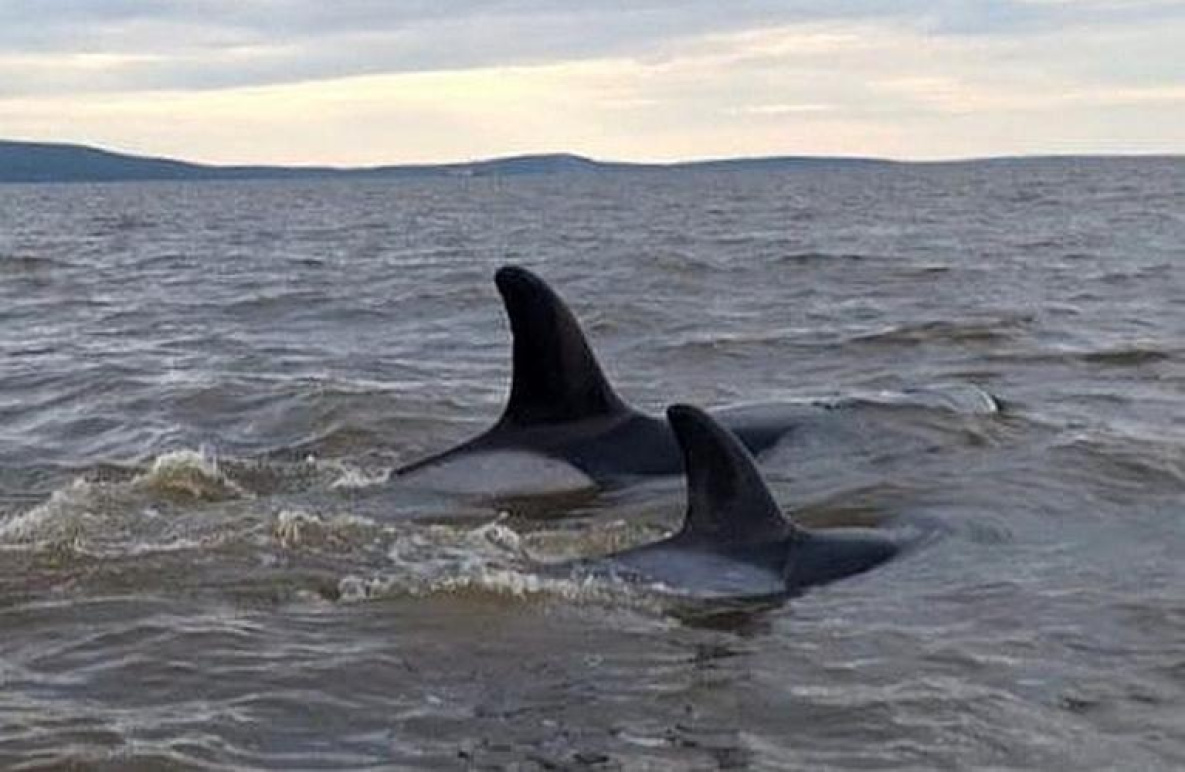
556,375
728,502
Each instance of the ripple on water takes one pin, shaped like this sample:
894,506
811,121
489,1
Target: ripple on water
264,599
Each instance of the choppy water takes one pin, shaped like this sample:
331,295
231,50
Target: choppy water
203,386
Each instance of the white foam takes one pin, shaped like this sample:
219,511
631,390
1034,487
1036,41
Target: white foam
489,559
351,478
55,513
296,528
189,473
503,581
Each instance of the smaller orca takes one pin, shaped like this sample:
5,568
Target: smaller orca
735,542
564,429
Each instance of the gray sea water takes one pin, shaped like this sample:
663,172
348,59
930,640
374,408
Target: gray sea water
204,385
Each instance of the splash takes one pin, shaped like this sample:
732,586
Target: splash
189,475
489,560
409,560
57,520
294,529
353,478
522,584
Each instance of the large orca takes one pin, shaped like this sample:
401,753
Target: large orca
735,542
564,428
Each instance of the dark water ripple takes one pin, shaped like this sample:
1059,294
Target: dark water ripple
203,386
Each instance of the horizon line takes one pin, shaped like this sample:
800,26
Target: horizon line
707,159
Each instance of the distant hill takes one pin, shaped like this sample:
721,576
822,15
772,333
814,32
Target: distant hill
53,162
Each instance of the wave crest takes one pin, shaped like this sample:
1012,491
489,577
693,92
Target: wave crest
189,475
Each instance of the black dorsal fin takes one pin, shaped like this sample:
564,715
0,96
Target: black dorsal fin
728,502
556,376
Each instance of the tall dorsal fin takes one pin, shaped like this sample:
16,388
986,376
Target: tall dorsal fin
728,502
556,376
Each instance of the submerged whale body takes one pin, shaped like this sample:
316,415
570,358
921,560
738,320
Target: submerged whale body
735,542
564,428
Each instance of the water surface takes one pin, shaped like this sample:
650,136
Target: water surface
204,385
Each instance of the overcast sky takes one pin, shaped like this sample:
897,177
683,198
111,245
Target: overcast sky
377,81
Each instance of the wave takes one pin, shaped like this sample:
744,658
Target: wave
116,511
47,519
811,257
185,524
122,223
1125,468
17,264
1135,354
961,398
1132,355
987,331
189,474
491,559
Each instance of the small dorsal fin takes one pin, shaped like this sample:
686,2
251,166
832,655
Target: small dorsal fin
728,502
556,376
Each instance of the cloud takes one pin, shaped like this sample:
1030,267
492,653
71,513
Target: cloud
362,81
207,44
781,109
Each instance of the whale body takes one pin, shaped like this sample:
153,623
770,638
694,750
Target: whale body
735,542
564,428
